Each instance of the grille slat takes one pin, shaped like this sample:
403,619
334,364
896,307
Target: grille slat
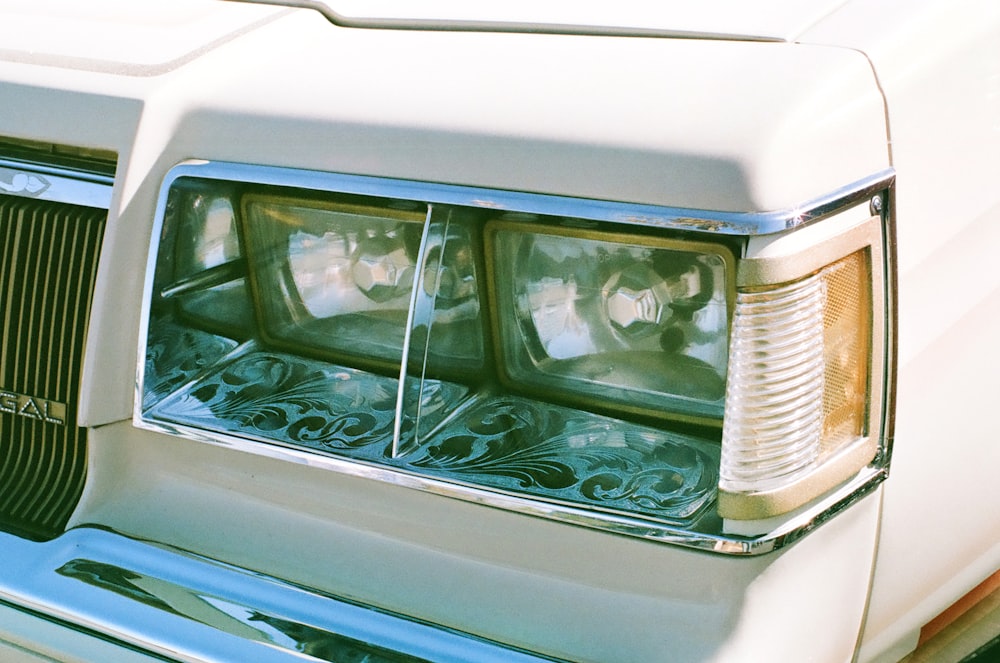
49,254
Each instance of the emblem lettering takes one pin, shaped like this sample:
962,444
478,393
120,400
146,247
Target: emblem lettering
32,407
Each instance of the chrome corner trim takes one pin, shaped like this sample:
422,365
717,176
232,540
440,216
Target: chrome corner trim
190,608
43,182
673,218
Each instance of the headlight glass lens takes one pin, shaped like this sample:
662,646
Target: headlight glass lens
291,316
604,318
333,279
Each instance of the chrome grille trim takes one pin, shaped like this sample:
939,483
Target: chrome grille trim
27,179
48,263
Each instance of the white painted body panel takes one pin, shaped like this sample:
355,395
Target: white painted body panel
729,126
940,71
562,590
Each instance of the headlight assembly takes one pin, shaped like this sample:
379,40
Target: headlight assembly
580,360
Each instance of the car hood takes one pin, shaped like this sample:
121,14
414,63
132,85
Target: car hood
768,20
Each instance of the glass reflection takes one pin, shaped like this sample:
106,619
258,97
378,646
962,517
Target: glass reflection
612,318
334,279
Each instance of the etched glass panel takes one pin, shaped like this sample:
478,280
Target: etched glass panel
176,354
556,453
286,317
298,401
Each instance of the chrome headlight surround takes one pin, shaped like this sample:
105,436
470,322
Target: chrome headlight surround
405,430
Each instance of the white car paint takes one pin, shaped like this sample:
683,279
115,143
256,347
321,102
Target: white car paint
845,89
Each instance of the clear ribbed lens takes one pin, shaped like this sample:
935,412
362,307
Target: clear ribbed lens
774,415
797,376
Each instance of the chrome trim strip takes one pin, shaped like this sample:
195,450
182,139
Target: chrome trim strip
674,218
397,426
836,501
190,608
888,432
791,530
63,185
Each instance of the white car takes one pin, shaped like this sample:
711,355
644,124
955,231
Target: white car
521,331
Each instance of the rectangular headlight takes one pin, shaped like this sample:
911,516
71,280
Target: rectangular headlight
612,321
332,278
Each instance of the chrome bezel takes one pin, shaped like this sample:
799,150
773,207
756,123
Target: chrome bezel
649,216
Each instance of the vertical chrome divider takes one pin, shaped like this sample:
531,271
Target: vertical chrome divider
411,316
426,306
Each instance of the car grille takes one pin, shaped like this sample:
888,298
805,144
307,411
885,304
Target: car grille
48,261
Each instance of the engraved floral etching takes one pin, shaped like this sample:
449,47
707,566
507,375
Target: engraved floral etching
299,401
507,443
176,354
277,396
524,446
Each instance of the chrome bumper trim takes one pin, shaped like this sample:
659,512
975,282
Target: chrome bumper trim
189,608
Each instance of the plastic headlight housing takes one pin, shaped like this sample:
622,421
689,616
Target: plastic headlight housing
568,358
